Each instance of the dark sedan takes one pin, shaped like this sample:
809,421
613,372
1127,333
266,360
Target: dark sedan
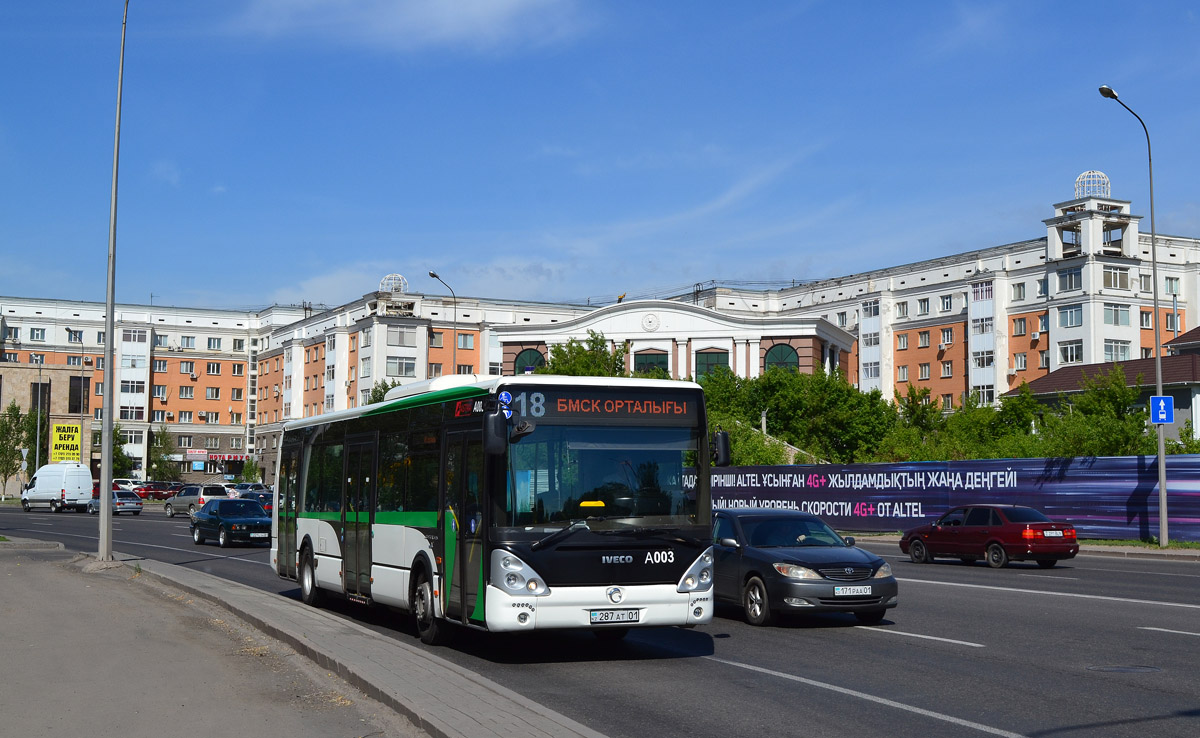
999,533
266,499
231,520
775,562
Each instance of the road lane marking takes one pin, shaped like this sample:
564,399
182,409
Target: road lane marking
1167,630
1156,573
1053,594
1050,576
877,629
871,698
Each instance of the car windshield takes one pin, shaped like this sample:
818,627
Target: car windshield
777,532
1024,515
559,474
241,508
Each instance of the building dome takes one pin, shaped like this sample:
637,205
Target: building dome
1092,184
396,283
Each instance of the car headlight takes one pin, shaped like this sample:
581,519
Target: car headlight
884,572
792,571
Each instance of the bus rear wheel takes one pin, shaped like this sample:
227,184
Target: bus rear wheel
432,631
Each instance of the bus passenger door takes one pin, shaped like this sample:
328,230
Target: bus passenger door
286,494
358,503
466,525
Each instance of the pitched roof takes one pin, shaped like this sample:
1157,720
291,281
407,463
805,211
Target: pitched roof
1183,369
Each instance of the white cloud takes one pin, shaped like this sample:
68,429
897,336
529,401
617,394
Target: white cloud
218,189
165,170
410,25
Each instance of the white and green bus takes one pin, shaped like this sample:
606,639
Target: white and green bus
506,504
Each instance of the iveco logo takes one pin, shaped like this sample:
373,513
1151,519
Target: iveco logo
616,559
615,595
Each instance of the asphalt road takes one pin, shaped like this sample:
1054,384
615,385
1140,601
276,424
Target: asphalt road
1097,647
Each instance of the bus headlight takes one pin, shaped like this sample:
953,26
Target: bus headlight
698,577
515,577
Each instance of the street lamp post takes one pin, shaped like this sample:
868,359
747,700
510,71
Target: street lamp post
453,320
84,362
37,447
1111,94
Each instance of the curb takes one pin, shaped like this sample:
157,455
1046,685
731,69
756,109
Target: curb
27,544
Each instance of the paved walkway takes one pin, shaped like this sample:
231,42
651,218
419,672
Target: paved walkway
441,698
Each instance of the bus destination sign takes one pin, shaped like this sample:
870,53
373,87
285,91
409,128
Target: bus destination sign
582,404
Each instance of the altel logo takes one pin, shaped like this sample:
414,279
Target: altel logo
616,559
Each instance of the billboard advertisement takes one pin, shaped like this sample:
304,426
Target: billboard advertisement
1104,497
64,442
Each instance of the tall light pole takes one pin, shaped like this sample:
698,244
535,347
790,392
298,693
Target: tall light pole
37,447
1111,94
106,425
84,361
453,319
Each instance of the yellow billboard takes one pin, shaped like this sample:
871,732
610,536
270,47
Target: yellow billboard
64,442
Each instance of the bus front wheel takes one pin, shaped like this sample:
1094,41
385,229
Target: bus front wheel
432,631
310,594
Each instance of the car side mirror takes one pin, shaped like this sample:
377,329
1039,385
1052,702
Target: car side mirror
721,452
728,543
849,540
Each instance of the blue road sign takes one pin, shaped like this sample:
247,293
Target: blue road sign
1162,409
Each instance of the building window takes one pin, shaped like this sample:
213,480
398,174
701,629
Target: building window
187,367
1070,352
74,361
841,319
1147,319
1070,316
214,344
985,394
37,334
236,418
214,367
902,309
870,309
213,418
870,339
1116,278
1070,279
495,368
330,344
366,337
239,344
12,333
466,368
74,336
158,416
532,358
1116,314
187,392
183,441
923,339
1145,282
1169,321
130,412
947,303
401,366
133,335
435,370
1044,322
650,362
160,340
435,339
980,326
923,306
1019,362
160,365
870,370
1044,359
135,387
466,340
1018,326
1172,285
1018,291
902,373
212,393
981,291
1116,350
11,357
212,442
401,335
133,362
947,336
99,389
708,361
37,358
902,342
235,394
923,371
947,369
187,342
239,370
160,391
982,359
1043,286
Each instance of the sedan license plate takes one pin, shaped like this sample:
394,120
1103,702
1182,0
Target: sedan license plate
615,616
258,535
844,591
1052,533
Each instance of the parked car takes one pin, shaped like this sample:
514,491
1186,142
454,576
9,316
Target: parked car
128,484
264,498
785,561
152,491
58,487
122,501
192,497
230,521
241,489
998,533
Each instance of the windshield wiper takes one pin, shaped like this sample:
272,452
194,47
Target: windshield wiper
559,534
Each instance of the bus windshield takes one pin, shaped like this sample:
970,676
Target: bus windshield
611,476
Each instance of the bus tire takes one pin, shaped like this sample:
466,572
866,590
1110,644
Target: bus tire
433,632
310,593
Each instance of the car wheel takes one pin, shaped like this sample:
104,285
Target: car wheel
756,603
53,506
93,510
1047,563
196,537
918,552
610,635
222,538
310,594
25,505
170,511
870,617
192,511
432,631
997,558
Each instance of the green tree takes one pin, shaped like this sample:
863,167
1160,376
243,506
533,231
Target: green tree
250,471
750,447
10,445
379,390
122,463
158,465
39,448
1102,420
594,358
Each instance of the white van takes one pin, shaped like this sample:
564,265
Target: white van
67,484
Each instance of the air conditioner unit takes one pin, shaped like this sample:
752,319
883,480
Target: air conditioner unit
942,346
1037,335
15,341
1012,372
347,382
193,376
170,416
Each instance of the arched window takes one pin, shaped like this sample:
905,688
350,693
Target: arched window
529,358
783,356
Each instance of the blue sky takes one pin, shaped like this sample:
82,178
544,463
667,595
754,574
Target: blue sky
289,150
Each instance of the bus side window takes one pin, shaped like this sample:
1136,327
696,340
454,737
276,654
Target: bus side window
393,474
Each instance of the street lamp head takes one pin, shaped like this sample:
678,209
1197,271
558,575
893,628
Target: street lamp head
434,274
1108,92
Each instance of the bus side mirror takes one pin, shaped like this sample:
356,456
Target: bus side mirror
495,433
720,448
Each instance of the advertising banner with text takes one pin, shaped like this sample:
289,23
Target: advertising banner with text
64,442
1104,497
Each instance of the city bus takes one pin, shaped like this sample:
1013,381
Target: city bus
506,504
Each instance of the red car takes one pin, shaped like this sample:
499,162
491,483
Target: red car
96,488
998,533
152,491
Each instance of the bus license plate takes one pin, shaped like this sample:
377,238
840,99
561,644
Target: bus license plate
843,591
615,616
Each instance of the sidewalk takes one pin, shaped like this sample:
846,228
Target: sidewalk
1128,552
439,697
